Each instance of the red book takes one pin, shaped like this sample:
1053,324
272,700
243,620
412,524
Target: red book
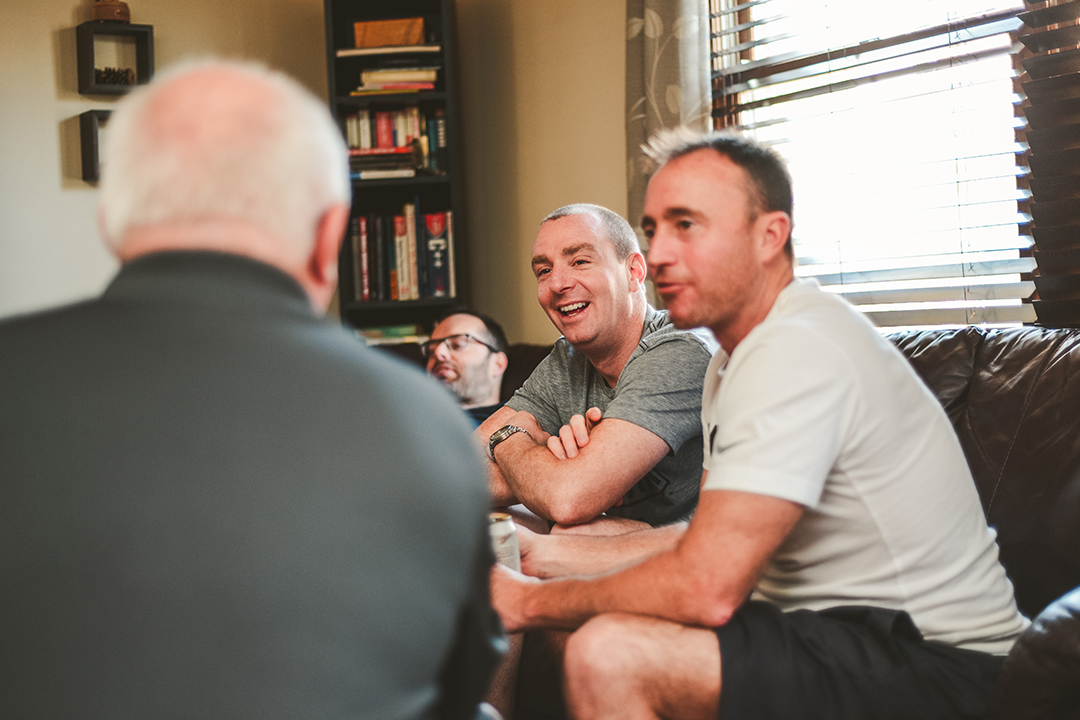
404,150
384,129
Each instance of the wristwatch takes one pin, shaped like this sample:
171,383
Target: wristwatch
501,434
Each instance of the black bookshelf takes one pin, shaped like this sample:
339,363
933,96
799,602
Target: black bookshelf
437,184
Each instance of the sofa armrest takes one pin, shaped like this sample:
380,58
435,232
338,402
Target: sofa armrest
1040,679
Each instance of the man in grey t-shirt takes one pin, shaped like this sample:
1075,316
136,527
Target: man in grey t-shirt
610,421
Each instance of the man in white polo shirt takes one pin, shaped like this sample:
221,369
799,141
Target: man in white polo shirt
839,564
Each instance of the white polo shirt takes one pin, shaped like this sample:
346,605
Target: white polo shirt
815,407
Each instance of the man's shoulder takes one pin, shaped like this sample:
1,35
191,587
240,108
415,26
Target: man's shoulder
659,330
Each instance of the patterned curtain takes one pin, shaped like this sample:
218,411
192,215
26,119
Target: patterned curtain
667,79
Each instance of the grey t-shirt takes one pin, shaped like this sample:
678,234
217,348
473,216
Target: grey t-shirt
659,390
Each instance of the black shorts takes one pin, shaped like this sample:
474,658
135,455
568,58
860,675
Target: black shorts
857,663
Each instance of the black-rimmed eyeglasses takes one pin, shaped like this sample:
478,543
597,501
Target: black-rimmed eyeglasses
457,343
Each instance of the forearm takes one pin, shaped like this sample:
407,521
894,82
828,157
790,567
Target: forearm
564,490
666,585
564,555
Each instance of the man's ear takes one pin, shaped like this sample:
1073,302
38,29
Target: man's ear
329,233
637,269
501,361
773,228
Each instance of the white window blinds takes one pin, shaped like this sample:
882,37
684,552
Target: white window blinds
898,126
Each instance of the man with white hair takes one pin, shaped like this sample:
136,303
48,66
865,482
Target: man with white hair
212,503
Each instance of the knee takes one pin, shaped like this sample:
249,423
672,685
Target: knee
600,651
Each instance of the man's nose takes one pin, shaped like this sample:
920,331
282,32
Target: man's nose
561,279
442,351
659,252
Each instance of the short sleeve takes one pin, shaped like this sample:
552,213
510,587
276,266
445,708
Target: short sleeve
780,416
539,394
660,389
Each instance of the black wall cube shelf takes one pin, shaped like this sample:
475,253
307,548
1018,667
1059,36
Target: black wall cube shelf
90,123
144,55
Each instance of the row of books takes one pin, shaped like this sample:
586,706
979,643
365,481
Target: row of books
396,79
407,256
404,140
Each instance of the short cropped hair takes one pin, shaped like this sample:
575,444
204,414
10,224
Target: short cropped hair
770,182
281,171
617,229
496,335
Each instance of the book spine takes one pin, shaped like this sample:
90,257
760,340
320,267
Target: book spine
437,255
384,129
402,254
354,242
433,146
365,260
391,260
451,268
401,128
352,136
378,259
414,257
363,129
440,138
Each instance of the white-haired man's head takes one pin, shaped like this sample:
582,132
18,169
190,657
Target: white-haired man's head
223,142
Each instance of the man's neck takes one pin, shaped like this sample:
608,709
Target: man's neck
755,310
609,361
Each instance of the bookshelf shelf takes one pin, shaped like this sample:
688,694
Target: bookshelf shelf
390,276
418,180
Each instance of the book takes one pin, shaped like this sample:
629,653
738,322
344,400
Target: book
398,75
380,33
441,151
364,279
375,254
392,88
437,251
414,257
450,253
380,151
404,291
384,128
383,173
390,259
388,50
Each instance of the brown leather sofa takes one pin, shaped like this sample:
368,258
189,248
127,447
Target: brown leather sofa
1013,396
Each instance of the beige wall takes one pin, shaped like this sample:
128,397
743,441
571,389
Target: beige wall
49,247
542,100
543,95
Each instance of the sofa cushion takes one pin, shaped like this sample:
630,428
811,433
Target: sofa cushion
1039,680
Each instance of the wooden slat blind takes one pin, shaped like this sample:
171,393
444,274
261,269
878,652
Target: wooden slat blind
900,132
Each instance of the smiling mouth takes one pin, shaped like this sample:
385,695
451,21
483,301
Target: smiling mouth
573,309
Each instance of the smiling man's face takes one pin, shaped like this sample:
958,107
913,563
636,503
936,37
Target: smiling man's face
582,285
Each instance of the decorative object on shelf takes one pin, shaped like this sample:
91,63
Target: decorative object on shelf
109,81
114,76
382,33
90,124
110,11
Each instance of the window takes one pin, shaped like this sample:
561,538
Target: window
899,128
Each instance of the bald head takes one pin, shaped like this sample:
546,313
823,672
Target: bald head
221,145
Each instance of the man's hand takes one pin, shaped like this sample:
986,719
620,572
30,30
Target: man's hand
529,547
575,435
508,590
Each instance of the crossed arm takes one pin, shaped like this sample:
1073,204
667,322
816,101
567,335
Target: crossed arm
588,476
700,579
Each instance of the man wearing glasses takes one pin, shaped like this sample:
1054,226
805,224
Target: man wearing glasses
467,354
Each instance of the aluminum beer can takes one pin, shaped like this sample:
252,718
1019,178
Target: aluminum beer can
504,540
